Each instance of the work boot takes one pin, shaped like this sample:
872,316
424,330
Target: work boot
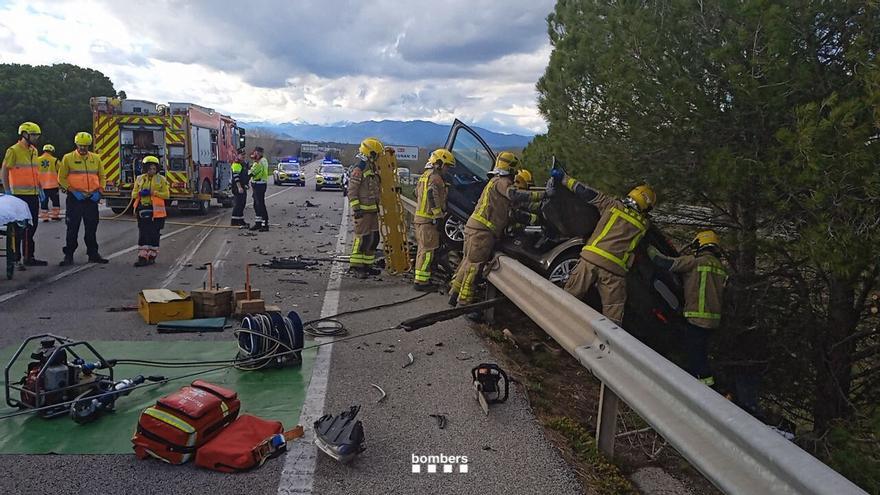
34,262
264,227
453,299
21,267
67,261
98,259
429,287
257,226
142,261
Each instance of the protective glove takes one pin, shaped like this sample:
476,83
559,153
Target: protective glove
42,196
95,196
557,173
550,188
144,192
435,222
79,195
652,252
358,214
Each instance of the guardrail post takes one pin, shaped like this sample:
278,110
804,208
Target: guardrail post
489,313
606,426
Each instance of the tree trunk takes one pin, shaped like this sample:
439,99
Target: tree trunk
834,363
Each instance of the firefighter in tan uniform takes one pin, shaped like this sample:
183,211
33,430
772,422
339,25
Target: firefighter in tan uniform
486,224
704,277
363,198
430,210
608,253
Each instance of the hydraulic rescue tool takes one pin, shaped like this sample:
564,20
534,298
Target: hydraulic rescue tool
59,381
489,379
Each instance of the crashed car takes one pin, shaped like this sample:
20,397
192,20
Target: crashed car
552,249
329,175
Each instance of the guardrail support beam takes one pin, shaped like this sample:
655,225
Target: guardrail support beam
606,426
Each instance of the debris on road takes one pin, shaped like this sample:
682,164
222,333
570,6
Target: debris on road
441,420
380,390
120,309
293,281
309,204
290,263
411,360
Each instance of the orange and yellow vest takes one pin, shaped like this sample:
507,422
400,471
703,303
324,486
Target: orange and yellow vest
159,192
80,173
20,161
48,171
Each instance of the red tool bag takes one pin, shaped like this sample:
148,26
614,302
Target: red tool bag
245,444
182,422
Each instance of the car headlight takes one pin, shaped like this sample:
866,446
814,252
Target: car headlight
319,178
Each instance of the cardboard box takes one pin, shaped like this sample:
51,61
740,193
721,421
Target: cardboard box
250,306
157,305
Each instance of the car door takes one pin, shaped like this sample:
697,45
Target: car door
473,161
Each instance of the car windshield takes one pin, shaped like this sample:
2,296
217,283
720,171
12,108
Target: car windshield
290,167
331,169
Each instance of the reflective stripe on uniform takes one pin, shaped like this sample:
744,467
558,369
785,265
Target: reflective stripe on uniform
480,211
356,258
423,273
24,176
704,271
467,287
628,217
422,210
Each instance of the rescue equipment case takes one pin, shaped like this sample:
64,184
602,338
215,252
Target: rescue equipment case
244,445
182,422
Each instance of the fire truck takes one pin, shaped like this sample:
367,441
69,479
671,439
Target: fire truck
194,144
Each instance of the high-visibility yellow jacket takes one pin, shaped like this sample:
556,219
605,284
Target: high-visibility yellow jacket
364,189
159,192
81,173
21,166
48,170
430,197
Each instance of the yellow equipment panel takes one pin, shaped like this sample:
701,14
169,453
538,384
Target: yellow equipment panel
392,220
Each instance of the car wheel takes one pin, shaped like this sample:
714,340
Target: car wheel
562,267
453,232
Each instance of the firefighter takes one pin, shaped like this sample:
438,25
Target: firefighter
21,179
259,176
704,277
486,224
82,175
239,192
608,253
363,198
149,192
526,215
431,210
49,183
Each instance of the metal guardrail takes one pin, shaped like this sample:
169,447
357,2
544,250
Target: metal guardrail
735,451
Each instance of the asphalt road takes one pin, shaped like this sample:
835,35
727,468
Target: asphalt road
506,451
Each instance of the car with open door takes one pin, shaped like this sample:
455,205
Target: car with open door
553,248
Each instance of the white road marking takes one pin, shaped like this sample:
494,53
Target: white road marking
297,476
11,295
183,261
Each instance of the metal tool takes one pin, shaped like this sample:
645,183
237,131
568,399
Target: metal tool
488,381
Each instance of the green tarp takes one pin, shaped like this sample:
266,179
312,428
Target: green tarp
270,394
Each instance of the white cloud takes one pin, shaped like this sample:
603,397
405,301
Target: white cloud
319,61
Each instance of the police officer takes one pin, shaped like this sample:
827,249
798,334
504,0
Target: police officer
431,209
21,179
150,190
49,183
487,224
259,174
363,198
608,253
82,175
239,192
704,277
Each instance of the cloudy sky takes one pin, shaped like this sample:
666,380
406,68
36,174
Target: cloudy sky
319,61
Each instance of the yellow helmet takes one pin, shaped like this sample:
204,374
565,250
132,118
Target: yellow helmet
151,159
371,148
82,139
30,128
443,156
49,148
523,179
505,164
706,238
643,196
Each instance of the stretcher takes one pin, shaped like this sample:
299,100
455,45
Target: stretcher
13,211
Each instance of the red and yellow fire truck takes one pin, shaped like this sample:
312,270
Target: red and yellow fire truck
195,146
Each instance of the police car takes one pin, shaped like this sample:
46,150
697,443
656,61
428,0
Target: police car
289,172
329,175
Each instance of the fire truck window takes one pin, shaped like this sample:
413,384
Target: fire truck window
177,165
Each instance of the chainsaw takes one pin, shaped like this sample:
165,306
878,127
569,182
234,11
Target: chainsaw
489,379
